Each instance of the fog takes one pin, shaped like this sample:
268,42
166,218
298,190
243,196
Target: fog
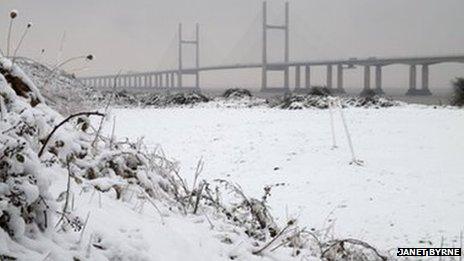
140,35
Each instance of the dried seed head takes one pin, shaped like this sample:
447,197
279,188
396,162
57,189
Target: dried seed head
13,14
89,57
29,25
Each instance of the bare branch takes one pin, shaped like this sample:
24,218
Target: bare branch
63,122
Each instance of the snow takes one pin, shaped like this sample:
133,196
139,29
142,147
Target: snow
119,201
129,207
133,230
411,187
16,71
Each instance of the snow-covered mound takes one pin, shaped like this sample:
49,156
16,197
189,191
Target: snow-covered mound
157,100
296,102
237,93
62,91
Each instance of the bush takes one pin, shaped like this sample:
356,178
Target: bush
187,98
320,91
458,98
237,93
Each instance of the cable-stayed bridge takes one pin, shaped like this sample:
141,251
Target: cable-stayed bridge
173,79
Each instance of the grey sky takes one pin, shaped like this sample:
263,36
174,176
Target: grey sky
136,35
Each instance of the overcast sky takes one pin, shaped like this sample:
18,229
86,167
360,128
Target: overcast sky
138,35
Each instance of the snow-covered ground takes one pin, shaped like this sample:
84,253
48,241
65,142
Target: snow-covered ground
411,187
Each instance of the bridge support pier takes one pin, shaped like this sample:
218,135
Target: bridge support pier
329,77
413,91
412,80
265,66
178,76
378,80
425,80
297,78
340,88
307,77
367,81
197,79
148,80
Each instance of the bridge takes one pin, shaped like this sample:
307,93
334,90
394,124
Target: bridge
172,79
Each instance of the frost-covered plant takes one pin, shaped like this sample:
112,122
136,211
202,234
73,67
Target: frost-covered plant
26,30
88,57
13,15
63,92
237,93
320,91
251,213
24,197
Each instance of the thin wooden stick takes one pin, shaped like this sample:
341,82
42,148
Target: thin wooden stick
332,127
354,160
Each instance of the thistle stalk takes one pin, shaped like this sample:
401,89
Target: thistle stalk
52,72
13,15
26,30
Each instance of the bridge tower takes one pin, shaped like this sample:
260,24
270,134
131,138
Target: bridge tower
196,43
265,65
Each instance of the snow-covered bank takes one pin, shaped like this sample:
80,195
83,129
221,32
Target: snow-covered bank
410,189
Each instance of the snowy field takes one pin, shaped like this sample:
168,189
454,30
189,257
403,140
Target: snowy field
411,187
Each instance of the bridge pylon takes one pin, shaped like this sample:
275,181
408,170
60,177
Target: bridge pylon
181,43
266,67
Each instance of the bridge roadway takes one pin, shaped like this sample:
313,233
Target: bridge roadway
165,79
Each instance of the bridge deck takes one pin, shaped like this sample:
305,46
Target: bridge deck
371,61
